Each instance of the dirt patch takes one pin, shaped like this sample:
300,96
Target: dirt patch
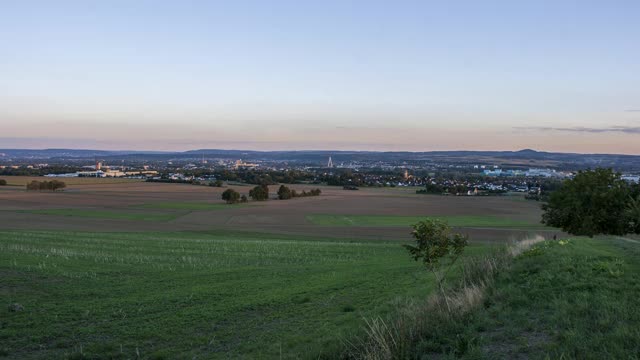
516,347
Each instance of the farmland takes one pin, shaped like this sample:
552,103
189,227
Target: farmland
168,270
195,294
458,221
377,213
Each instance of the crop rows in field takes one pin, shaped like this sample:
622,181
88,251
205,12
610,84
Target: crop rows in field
390,220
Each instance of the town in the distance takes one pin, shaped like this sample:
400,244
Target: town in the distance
461,173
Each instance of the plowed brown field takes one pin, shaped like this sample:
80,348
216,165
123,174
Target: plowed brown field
197,208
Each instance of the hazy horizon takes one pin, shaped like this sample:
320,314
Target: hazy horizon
285,75
150,150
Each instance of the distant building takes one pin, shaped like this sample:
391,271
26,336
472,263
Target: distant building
244,165
541,173
631,178
496,172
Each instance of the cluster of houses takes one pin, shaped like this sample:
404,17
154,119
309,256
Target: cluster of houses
547,173
98,170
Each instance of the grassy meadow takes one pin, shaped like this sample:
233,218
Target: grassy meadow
184,295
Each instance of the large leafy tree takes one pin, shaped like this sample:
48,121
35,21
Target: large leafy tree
593,202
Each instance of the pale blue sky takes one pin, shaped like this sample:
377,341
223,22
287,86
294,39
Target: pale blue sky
370,75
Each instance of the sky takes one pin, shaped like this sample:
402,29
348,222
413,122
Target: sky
345,75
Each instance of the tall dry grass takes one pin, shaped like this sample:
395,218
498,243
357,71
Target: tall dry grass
395,338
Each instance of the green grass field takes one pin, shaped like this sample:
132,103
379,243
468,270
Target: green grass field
186,295
107,214
382,220
189,206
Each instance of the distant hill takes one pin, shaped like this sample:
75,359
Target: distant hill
521,158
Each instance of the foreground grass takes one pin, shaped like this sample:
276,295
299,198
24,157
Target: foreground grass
185,295
570,299
406,221
576,299
108,214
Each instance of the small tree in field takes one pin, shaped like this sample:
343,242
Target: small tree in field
231,196
259,193
284,193
438,249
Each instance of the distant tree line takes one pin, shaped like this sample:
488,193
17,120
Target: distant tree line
454,190
261,193
441,189
23,171
217,183
345,178
257,177
53,185
284,193
233,197
258,193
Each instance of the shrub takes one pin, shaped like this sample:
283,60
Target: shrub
259,193
53,185
437,248
217,183
284,193
3,182
231,196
